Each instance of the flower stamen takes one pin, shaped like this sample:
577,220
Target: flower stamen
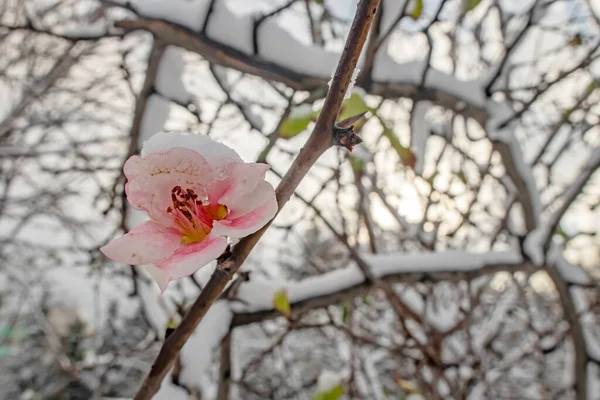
193,218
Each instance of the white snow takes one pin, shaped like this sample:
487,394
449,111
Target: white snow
216,153
371,359
225,80
392,10
497,113
571,273
155,115
90,30
301,111
386,69
593,376
196,355
169,81
258,293
234,29
168,391
90,294
488,328
587,169
533,245
231,29
387,264
329,379
188,13
592,341
442,316
155,309
579,300
274,41
362,153
419,134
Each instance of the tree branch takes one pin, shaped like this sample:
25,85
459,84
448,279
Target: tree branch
320,140
427,267
218,53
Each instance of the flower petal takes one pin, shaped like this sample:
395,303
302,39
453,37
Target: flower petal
217,154
191,257
148,243
248,214
161,277
237,180
151,179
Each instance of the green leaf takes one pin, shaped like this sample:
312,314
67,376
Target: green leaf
471,4
433,176
357,163
293,126
333,394
418,10
171,326
319,1
347,313
352,106
281,303
406,155
562,234
591,87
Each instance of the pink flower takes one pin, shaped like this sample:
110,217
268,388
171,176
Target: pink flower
197,192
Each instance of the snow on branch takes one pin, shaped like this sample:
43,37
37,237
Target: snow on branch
318,291
419,131
169,76
283,58
507,145
540,239
571,193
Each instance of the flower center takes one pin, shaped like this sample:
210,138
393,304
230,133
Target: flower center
194,219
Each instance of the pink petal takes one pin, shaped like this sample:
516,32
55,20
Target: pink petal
148,243
191,257
239,179
161,277
217,154
151,179
248,214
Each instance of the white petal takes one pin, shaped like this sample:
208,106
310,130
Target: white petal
217,154
161,277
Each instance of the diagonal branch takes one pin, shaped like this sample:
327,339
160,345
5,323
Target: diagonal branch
571,193
320,140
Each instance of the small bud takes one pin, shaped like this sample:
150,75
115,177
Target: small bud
346,137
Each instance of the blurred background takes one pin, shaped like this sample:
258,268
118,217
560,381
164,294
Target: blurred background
455,254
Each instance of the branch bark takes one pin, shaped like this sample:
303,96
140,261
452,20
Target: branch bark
225,368
320,140
577,334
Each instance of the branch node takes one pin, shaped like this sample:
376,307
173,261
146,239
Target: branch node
346,137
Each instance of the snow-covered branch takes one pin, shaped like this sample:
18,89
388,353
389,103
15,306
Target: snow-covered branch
255,297
306,67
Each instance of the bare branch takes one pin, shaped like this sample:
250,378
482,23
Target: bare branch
319,141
